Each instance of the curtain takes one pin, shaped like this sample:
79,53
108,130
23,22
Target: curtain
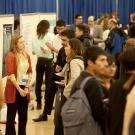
2,5
69,8
26,6
125,8
66,12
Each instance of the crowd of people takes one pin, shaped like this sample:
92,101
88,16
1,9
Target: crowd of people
100,49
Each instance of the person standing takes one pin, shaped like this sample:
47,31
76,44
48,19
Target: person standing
95,31
42,47
108,78
18,69
119,92
116,38
57,43
82,33
65,36
128,58
77,21
95,61
74,52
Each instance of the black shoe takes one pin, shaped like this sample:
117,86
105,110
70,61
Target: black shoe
39,106
40,118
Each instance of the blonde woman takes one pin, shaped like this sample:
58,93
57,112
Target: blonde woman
18,68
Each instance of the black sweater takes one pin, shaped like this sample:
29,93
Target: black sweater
117,102
61,59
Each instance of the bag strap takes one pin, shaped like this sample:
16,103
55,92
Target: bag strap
77,57
85,81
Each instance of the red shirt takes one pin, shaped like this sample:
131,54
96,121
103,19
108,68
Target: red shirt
11,68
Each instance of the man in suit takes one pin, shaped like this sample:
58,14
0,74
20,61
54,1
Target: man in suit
96,33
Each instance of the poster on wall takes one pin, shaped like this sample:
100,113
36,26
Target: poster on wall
7,33
28,25
27,35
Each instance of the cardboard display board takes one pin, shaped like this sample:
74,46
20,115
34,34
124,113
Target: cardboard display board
6,30
28,25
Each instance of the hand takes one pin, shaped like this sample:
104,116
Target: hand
61,83
58,68
53,49
22,92
33,53
42,49
91,38
26,90
49,46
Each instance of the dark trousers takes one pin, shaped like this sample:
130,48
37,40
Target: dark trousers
60,100
51,93
20,105
44,65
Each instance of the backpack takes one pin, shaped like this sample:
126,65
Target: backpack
77,115
115,47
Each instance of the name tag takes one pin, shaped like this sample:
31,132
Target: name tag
25,78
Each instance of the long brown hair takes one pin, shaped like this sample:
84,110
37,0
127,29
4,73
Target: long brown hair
77,48
127,60
14,41
42,28
13,47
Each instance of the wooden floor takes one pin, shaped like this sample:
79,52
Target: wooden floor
36,128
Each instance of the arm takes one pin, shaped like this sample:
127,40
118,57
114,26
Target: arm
59,61
10,68
49,43
109,40
53,49
15,83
